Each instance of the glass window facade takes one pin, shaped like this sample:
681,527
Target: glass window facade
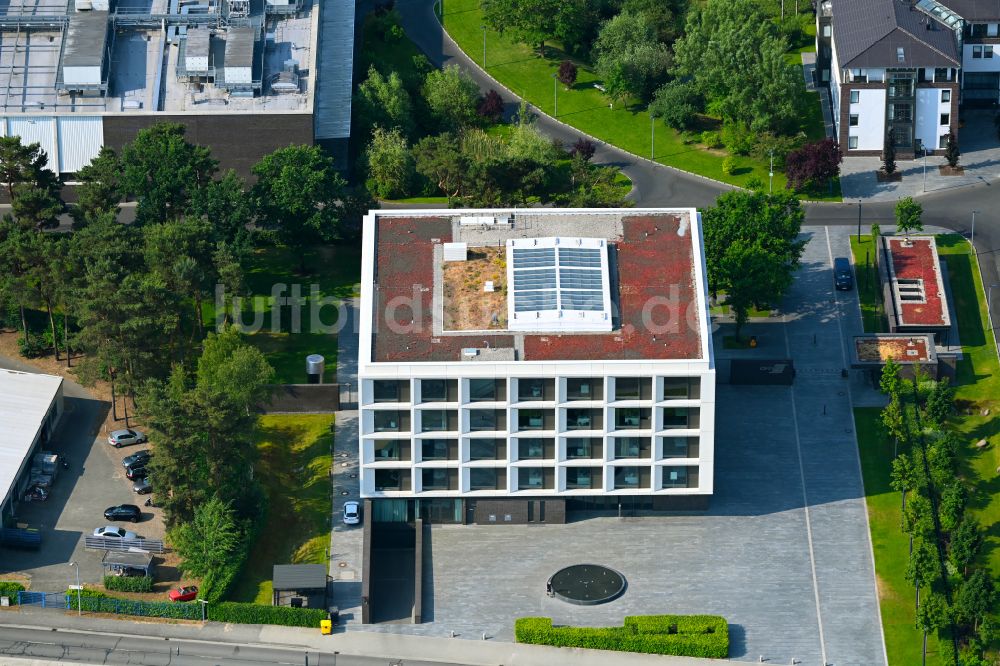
627,447
532,388
433,420
583,389
434,449
676,477
386,420
487,449
437,478
434,390
485,478
626,477
392,449
385,390
530,419
483,419
530,448
483,390
583,478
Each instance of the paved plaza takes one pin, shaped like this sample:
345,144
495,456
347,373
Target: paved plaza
784,551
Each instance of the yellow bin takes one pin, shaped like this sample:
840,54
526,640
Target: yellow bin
326,627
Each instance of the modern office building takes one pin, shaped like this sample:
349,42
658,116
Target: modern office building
906,65
30,408
244,76
516,364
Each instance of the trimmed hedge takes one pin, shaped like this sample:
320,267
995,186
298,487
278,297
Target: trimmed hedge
9,588
129,583
96,601
679,635
240,613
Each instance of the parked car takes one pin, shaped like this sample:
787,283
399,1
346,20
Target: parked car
137,471
189,593
142,486
138,456
120,438
128,512
114,532
843,278
352,513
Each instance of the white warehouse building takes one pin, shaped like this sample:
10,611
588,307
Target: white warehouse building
518,364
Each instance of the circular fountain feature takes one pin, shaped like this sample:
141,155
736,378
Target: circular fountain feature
586,584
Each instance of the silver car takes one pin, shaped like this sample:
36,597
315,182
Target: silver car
352,513
114,532
120,438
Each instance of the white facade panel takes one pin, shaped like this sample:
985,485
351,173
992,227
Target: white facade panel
82,75
928,128
870,109
80,140
196,63
36,129
238,75
971,64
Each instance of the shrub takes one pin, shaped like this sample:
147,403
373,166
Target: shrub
285,616
729,165
95,601
754,183
129,583
710,139
567,73
737,138
679,635
951,151
678,103
491,106
813,165
583,148
9,588
32,346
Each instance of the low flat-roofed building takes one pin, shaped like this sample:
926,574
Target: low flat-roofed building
553,356
913,286
30,408
873,350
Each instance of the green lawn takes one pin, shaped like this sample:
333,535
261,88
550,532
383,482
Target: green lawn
334,270
977,384
869,291
294,467
586,108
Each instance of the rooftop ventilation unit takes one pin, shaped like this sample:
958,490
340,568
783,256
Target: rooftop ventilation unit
456,251
484,220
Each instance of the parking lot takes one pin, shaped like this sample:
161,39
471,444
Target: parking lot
94,481
783,553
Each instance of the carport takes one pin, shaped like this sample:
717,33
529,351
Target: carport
115,562
299,585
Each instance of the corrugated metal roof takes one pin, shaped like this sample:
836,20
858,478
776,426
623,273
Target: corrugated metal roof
80,140
299,577
24,402
869,33
335,65
36,129
197,42
239,47
85,39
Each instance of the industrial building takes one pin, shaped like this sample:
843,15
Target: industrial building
30,408
518,364
244,76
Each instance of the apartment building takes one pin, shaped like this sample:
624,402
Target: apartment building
518,364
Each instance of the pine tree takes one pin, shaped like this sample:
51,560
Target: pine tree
951,152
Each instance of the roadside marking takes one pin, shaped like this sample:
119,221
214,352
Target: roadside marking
805,502
857,451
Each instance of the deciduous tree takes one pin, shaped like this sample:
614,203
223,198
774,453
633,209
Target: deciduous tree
813,165
440,160
908,213
382,101
452,97
567,73
390,164
678,103
491,107
975,598
966,540
629,58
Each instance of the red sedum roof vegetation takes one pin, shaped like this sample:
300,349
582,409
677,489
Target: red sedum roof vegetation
918,260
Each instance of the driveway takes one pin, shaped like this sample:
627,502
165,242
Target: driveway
783,553
94,481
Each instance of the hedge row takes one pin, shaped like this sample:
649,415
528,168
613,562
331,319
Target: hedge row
240,613
679,635
129,583
9,588
96,601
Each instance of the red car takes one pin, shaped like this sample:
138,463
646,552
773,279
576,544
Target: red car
188,593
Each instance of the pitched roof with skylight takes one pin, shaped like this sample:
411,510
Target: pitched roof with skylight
558,284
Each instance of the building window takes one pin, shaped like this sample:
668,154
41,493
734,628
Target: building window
486,449
855,96
977,51
677,388
978,29
826,31
530,419
385,391
482,390
680,447
626,388
531,389
859,75
626,477
988,51
433,420
389,479
902,113
581,478
483,419
825,77
582,389
389,449
945,96
434,390
942,74
386,421
675,417
434,449
676,477
946,119
436,479
581,419
852,143
900,54
943,141
631,418
853,120
530,448
530,478
578,447
483,478
627,447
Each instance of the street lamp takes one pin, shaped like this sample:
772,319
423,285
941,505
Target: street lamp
79,594
859,221
204,606
484,46
770,175
973,238
555,95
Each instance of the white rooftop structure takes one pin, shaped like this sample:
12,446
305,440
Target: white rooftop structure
558,284
25,403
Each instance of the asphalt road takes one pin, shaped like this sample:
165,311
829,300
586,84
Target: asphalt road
95,648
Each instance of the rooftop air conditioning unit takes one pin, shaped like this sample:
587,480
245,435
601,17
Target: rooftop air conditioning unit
456,251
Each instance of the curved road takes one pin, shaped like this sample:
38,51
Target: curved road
657,185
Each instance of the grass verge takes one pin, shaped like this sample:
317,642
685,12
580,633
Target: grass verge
294,468
869,291
584,107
